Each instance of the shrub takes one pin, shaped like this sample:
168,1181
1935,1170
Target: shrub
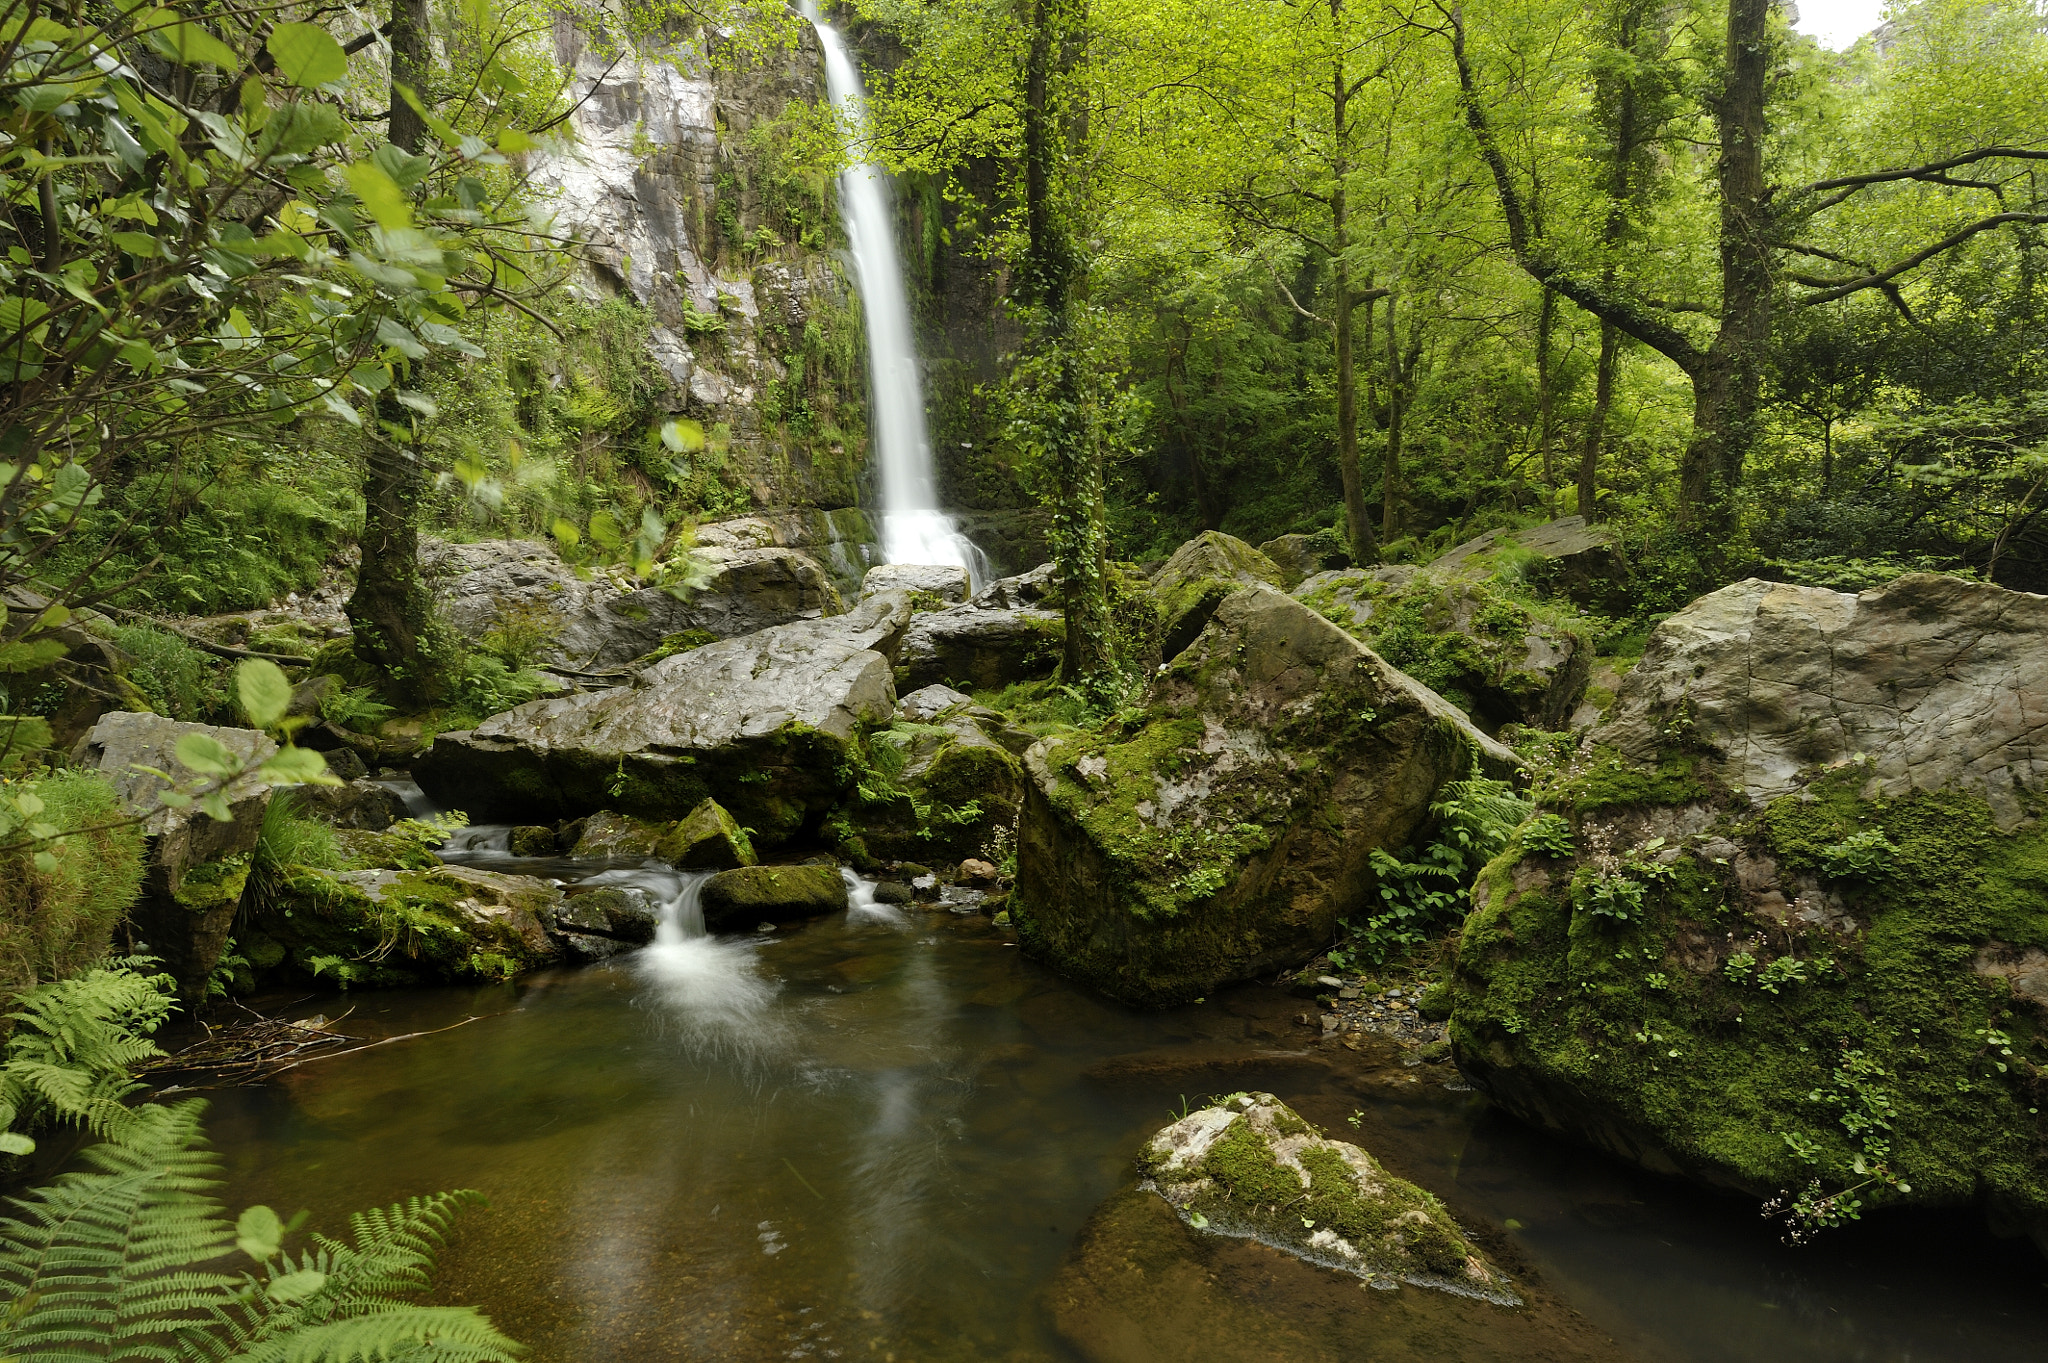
57,914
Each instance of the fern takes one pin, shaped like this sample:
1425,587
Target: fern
108,1263
74,1046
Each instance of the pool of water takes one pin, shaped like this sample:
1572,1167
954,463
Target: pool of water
879,1136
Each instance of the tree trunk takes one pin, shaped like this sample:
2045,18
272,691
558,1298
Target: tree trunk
390,613
1364,549
1078,539
1546,322
1390,478
1728,387
1596,427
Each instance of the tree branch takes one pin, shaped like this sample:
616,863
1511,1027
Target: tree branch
1832,289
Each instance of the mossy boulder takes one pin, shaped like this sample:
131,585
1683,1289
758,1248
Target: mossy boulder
593,925
195,867
1248,1166
707,839
1223,831
772,894
1195,581
1484,644
766,725
1783,927
399,927
935,791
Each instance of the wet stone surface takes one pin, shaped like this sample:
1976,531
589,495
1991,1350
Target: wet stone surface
1346,1013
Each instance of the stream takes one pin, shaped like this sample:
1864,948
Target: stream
879,1135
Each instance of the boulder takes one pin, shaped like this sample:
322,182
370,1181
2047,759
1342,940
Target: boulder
359,803
928,702
1198,577
604,620
707,839
398,927
765,724
944,582
1774,931
597,923
1224,833
772,894
1039,587
532,840
974,645
1300,557
195,867
955,786
1503,658
1250,1167
1565,557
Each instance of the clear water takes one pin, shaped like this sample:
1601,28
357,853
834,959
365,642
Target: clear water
912,527
881,1135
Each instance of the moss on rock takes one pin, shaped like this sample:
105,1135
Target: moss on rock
776,894
58,918
399,927
1249,1166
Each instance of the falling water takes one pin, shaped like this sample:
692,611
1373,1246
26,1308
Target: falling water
913,528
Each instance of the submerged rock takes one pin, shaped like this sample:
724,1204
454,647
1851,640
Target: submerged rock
596,621
774,894
1772,931
596,924
1250,1167
1224,833
1195,581
764,724
194,867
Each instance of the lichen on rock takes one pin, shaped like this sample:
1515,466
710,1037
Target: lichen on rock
1249,1166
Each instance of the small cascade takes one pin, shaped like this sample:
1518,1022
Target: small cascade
863,907
417,805
710,989
913,529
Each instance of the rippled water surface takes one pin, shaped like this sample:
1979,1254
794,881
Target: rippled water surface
878,1136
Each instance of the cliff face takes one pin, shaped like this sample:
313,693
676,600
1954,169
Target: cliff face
679,188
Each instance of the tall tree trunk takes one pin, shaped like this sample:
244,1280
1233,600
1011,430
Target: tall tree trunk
1546,399
1390,478
1596,426
390,612
1364,549
1078,536
1727,389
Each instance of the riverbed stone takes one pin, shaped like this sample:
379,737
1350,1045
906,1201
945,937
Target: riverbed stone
597,620
1250,1167
1195,581
765,724
621,912
1789,884
938,581
774,894
1503,656
385,927
195,867
1223,833
707,839
956,785
979,646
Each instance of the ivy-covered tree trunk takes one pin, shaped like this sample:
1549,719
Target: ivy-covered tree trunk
1079,539
390,612
1364,546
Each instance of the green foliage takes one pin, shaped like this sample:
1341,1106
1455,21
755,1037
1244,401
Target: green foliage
62,894
72,1048
288,839
522,633
355,708
177,679
119,1259
1422,893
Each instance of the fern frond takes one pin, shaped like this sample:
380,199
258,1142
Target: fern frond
105,1256
415,1334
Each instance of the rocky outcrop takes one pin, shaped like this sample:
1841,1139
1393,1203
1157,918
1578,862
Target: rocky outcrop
772,894
980,646
1300,557
1196,580
707,839
939,581
1250,1167
956,782
1224,834
1039,587
600,620
765,724
1565,557
1774,930
1504,658
195,867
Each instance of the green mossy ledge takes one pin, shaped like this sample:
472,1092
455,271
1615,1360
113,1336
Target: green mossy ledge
1249,1166
1804,993
1221,833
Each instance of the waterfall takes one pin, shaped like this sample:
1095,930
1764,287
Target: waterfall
913,529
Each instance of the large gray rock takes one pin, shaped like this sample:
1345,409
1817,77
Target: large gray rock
765,724
603,620
1567,557
1038,587
973,645
1300,557
1226,836
1198,577
1930,682
195,867
946,582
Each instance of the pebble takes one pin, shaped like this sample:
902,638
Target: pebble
1390,1013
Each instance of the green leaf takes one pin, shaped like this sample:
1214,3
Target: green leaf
567,534
14,1143
380,194
46,862
189,43
307,55
263,690
214,805
683,436
259,1234
204,754
139,244
297,1286
295,766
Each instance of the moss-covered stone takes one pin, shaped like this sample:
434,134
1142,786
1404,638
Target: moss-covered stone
398,927
1223,831
1195,581
1249,1166
932,792
775,894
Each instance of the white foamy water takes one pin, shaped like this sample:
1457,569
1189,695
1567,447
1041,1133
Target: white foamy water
861,906
912,527
710,990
